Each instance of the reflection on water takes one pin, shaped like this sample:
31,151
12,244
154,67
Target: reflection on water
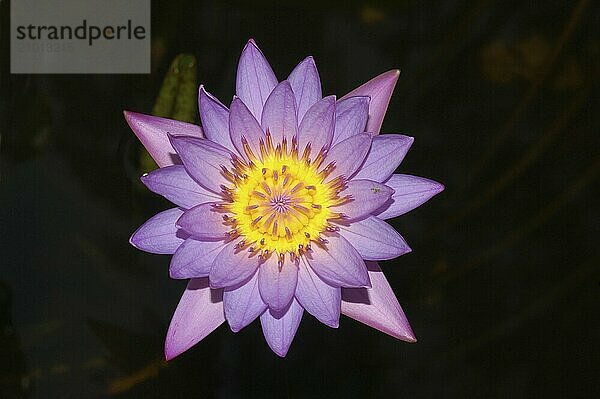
502,285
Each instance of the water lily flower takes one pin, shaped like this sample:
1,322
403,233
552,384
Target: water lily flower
280,205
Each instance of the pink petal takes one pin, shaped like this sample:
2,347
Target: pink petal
153,132
348,155
255,78
279,113
380,90
231,267
306,84
204,223
374,239
366,196
377,307
339,264
194,258
215,119
410,192
203,160
277,287
279,329
244,126
318,125
200,312
351,116
387,151
316,296
176,185
243,304
159,235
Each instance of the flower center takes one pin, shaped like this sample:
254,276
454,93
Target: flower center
280,200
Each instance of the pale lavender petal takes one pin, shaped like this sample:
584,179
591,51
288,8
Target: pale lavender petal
243,304
351,116
306,84
194,258
279,329
380,90
215,119
153,132
203,160
316,296
348,155
255,78
339,264
362,198
387,151
279,113
410,192
176,185
277,286
377,307
232,266
318,125
200,312
159,235
244,126
204,223
374,239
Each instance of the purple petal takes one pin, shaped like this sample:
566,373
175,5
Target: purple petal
374,239
318,125
348,155
231,267
215,119
244,126
351,116
316,296
339,264
279,113
159,235
200,312
306,84
194,258
255,78
387,151
204,223
153,132
243,304
366,196
380,90
174,183
203,160
377,307
279,329
277,287
410,192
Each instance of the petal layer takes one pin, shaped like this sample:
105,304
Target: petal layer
351,115
279,329
363,197
277,286
243,127
410,192
204,223
348,155
279,113
306,85
387,151
243,304
339,264
255,78
318,125
159,235
316,296
231,267
193,258
377,307
374,239
200,312
215,118
380,90
176,185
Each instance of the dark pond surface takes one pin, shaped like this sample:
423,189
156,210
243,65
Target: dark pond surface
502,287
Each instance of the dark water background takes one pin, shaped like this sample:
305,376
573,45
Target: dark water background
502,287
